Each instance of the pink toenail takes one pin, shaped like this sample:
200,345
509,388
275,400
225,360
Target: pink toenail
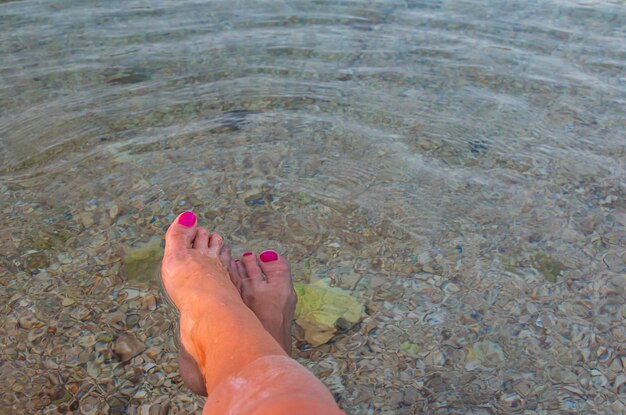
247,253
187,219
268,256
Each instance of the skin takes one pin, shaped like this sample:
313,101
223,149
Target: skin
237,350
266,288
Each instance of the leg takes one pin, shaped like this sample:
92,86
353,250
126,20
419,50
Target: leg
244,368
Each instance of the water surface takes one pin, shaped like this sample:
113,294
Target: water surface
459,168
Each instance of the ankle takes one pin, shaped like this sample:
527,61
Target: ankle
242,339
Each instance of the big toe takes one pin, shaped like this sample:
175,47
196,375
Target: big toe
251,270
181,233
275,267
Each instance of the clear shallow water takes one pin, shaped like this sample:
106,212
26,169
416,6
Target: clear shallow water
443,161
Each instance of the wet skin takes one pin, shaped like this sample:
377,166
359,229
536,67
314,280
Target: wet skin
263,284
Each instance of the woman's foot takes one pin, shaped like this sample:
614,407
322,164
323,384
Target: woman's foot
267,289
265,286
210,307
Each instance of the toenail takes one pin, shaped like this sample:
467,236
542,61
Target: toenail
187,219
268,256
247,253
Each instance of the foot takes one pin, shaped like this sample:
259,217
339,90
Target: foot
267,289
191,265
210,305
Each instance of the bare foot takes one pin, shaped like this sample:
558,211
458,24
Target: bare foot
265,287
210,304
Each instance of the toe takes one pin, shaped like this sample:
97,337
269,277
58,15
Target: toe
241,269
181,232
226,256
275,267
201,242
253,271
215,244
235,277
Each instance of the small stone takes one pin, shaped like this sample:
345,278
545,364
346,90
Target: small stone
105,337
87,341
149,366
127,389
117,405
428,269
93,370
512,401
620,384
548,266
132,293
450,287
140,394
131,320
127,347
156,379
153,351
483,353
116,319
89,405
36,333
435,358
86,218
149,302
258,199
113,210
144,409
410,396
411,349
28,321
598,379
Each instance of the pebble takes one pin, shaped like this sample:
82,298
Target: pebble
148,366
28,321
127,347
153,351
140,394
149,302
87,340
105,337
131,320
132,293
483,353
512,401
89,405
36,333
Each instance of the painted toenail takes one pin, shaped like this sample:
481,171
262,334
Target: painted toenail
268,256
187,219
247,253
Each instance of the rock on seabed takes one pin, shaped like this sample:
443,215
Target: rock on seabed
483,353
322,310
142,262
